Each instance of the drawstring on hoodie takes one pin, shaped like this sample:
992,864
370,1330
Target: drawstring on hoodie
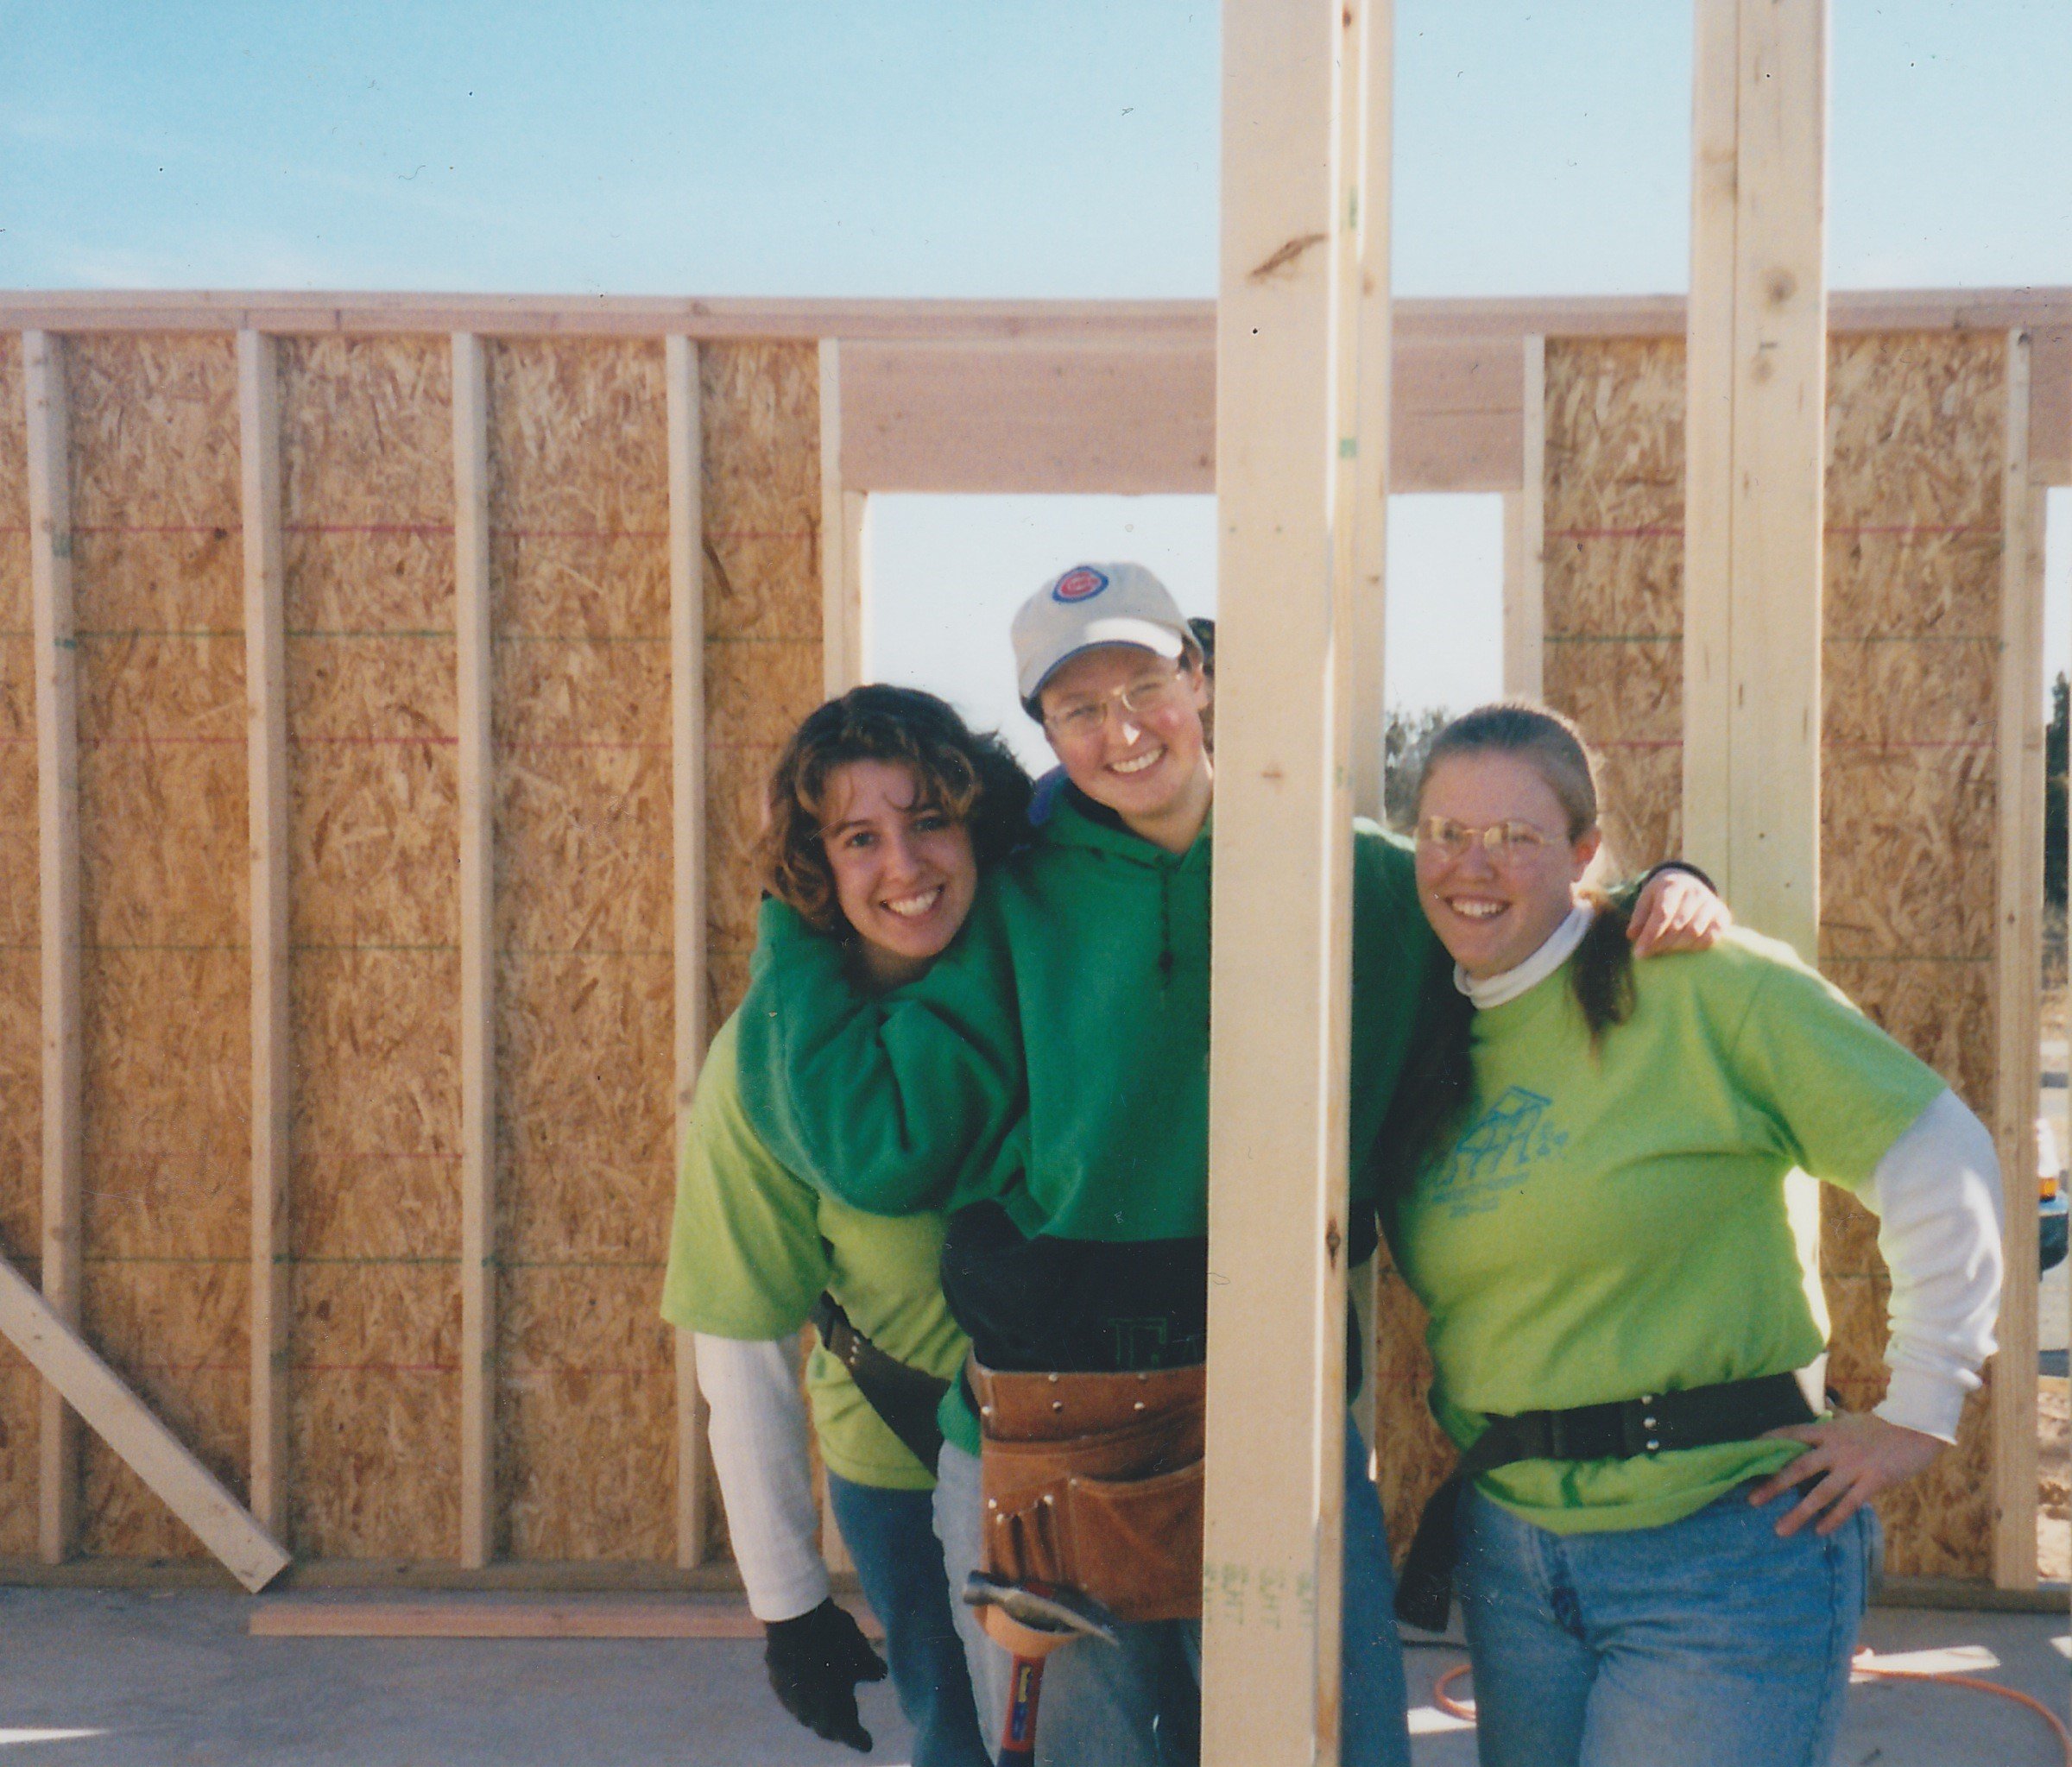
1164,928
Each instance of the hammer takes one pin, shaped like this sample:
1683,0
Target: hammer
1029,1621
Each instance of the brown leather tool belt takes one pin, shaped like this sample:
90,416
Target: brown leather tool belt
1094,1482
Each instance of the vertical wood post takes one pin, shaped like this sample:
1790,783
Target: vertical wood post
477,955
2018,983
1287,401
58,879
1365,381
266,709
1526,540
1366,377
687,817
1755,435
841,542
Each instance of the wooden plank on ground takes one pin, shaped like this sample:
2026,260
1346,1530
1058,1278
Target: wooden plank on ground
58,875
515,1617
689,888
1278,987
1525,538
267,790
2018,953
477,956
127,1425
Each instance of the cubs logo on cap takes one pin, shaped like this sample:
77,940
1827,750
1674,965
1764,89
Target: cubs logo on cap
1078,585
1089,605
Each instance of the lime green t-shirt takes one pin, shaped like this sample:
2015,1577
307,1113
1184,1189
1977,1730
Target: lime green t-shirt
751,1247
1613,1223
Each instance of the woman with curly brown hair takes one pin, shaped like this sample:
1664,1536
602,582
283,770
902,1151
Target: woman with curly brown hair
882,809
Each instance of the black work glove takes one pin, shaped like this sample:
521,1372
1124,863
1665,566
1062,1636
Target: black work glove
815,1662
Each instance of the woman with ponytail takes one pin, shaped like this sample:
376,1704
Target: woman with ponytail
1661,1534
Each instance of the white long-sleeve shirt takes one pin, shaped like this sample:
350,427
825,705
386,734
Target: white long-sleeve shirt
1936,1194
759,1436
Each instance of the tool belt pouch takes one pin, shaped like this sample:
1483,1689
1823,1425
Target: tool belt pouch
1094,1482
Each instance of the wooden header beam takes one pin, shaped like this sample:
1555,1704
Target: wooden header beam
1098,396
1147,322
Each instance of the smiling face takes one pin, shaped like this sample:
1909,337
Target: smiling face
1493,913
904,870
1146,760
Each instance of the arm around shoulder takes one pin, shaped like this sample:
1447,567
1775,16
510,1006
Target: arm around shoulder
885,1101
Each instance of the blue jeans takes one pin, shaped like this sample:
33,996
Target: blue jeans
1140,1706
1706,1642
891,1536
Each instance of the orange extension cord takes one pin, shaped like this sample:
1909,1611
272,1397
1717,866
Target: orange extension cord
1465,1708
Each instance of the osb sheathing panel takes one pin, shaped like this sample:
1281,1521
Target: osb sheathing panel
21,1020
164,980
583,907
374,1385
1911,615
1414,1455
1911,823
1615,576
579,521
761,413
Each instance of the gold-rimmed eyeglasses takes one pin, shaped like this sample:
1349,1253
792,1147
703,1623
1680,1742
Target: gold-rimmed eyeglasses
1504,842
1082,720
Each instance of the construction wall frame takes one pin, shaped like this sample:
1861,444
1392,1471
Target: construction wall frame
306,598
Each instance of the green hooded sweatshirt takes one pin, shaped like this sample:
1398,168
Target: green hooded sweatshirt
1055,1057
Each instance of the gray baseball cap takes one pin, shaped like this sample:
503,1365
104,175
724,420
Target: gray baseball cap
1091,605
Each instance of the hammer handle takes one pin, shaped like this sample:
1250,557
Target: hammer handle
1018,1739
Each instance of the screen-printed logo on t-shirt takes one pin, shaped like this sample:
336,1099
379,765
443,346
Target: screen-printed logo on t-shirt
1497,1153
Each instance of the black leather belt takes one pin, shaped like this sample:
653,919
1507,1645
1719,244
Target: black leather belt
1623,1430
903,1396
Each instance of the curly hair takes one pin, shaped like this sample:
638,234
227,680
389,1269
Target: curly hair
971,776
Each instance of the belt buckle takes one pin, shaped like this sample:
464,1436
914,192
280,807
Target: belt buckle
1640,1426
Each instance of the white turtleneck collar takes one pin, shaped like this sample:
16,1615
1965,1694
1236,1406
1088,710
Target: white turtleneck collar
1495,990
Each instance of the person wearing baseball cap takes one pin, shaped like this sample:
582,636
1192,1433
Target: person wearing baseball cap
1048,1080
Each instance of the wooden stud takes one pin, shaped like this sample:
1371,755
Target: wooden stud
1755,436
33,1326
841,569
58,875
2018,964
266,732
687,816
1365,396
1366,392
1524,540
1279,988
478,957
856,581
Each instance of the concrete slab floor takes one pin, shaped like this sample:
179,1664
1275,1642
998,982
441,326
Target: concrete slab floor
172,1679
1886,1723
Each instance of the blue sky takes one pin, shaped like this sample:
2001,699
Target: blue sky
975,148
